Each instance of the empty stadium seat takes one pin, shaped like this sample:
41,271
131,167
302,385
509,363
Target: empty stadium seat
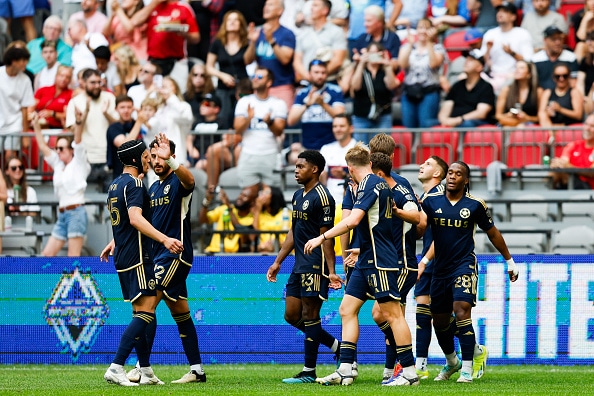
578,239
525,243
438,141
535,211
481,147
404,143
524,147
578,210
564,136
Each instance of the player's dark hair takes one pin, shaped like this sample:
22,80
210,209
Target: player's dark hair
382,162
122,99
315,158
277,200
467,168
346,116
155,144
442,164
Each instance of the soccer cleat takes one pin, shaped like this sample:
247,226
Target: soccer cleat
395,373
355,370
447,371
401,380
479,363
192,376
304,377
336,378
118,377
134,374
423,374
465,377
148,377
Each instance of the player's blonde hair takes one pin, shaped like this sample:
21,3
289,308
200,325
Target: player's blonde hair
382,143
358,155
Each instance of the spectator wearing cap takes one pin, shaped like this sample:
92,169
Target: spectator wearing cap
537,20
553,52
52,29
315,106
47,75
471,101
504,45
108,70
473,38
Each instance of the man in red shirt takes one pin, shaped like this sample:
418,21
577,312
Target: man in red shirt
578,154
170,24
51,101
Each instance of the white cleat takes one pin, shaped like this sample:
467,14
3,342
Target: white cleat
336,378
192,376
118,377
134,374
401,380
355,370
148,377
447,371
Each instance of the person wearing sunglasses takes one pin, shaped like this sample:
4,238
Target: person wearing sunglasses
553,52
561,105
71,168
15,176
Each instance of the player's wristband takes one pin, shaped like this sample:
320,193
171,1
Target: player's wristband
324,236
511,266
172,162
425,260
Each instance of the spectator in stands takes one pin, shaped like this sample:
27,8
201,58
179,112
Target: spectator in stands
233,51
583,23
578,154
16,95
473,38
128,67
421,58
483,13
23,11
371,88
275,46
339,13
167,48
268,216
120,28
15,175
539,19
358,21
123,130
471,101
47,75
336,173
108,70
82,50
98,108
322,40
206,128
553,52
252,10
71,169
376,32
504,45
585,75
241,217
208,18
446,14
146,87
412,12
95,20
51,101
199,84
260,119
52,30
315,106
517,103
562,105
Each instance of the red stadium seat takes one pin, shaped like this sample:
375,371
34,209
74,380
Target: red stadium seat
454,44
525,147
566,136
481,147
442,143
403,139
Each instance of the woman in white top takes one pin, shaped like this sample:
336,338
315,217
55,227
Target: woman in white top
71,168
15,175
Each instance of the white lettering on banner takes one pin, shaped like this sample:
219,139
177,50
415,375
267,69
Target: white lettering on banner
582,312
516,334
490,307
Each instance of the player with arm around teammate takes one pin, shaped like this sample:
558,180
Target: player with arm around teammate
453,215
129,207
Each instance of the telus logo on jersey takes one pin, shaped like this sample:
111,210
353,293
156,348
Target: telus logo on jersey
443,222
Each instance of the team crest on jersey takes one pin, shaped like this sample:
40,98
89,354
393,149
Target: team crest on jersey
166,189
305,205
465,213
409,197
326,210
360,195
76,311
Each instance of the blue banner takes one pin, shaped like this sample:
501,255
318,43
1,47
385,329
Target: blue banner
70,311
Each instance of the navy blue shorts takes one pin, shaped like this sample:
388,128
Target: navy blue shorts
308,285
458,287
375,284
138,281
171,278
406,281
423,286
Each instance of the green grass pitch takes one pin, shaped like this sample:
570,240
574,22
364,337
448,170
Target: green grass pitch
265,379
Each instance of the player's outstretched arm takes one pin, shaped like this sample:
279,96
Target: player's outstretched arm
344,226
285,250
184,175
497,240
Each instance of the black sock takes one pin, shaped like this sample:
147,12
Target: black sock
189,337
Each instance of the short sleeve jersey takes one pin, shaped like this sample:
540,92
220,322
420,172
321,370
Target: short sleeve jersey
162,44
132,248
375,231
311,211
405,234
453,228
170,214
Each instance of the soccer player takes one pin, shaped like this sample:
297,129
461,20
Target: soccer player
313,273
376,273
405,217
129,207
453,215
171,197
431,174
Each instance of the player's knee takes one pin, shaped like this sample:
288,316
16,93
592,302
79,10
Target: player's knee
292,319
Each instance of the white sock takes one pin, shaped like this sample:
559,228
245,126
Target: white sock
116,367
346,368
421,363
146,370
467,366
478,350
306,369
388,372
197,368
452,359
335,346
409,372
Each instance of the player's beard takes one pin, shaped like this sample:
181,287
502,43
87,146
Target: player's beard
164,170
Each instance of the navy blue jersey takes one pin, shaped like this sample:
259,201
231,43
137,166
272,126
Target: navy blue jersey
132,248
453,229
311,212
347,203
405,234
375,231
170,206
428,235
